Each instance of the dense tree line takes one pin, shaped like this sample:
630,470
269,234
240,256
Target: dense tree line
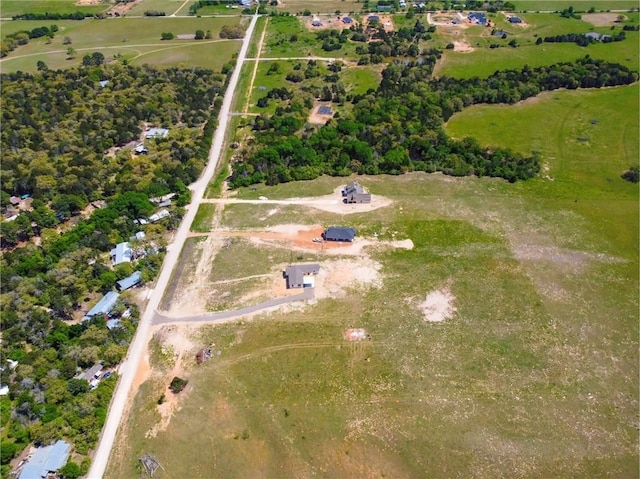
77,15
58,126
582,39
399,127
13,40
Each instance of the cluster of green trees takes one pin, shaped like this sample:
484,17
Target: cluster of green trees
404,42
77,15
581,39
399,127
54,146
13,40
232,31
193,9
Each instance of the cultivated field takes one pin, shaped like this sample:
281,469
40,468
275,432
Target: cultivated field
9,8
504,343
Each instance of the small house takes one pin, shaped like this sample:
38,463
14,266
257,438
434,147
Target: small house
373,18
347,20
316,23
15,200
354,192
339,233
121,253
156,133
92,373
325,111
103,83
515,20
140,149
129,282
46,461
104,306
301,275
383,8
593,36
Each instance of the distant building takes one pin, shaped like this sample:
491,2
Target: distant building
121,253
347,20
339,233
156,133
4,390
129,281
383,8
46,461
301,275
103,83
373,18
325,111
316,23
92,373
515,20
593,36
355,193
160,199
104,306
140,149
500,33
159,215
478,18
15,200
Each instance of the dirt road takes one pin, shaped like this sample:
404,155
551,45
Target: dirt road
130,365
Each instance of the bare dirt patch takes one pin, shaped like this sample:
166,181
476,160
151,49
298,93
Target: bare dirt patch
438,305
355,334
325,22
444,19
462,47
385,20
602,19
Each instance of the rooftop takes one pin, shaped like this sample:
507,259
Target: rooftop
104,306
129,282
295,273
121,253
156,133
46,459
339,233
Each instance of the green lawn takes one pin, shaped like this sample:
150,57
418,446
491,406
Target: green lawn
167,6
320,6
9,8
138,39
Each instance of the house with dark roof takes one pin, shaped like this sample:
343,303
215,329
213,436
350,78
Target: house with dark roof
373,18
347,20
316,23
478,18
301,275
515,20
46,461
383,8
104,306
354,192
339,233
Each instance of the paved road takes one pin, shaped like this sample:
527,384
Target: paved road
129,367
222,316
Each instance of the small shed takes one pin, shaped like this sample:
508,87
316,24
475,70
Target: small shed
347,20
339,233
46,461
316,23
301,275
373,18
92,373
140,149
325,110
129,282
159,216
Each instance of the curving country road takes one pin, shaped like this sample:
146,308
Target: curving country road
129,367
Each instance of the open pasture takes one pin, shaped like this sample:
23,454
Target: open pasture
137,39
578,5
319,6
10,8
534,373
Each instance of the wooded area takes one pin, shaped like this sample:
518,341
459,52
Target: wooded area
399,127
62,139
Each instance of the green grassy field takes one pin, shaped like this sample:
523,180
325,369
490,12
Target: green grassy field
320,6
9,8
536,373
168,6
578,5
138,39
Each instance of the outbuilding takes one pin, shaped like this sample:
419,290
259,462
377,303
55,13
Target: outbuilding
156,133
129,282
515,20
104,306
46,461
339,233
121,253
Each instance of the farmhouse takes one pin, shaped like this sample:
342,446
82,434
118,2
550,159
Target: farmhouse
355,193
121,253
515,20
478,18
46,461
339,233
129,281
156,133
301,275
104,306
347,20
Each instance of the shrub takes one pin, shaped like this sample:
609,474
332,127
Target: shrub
177,384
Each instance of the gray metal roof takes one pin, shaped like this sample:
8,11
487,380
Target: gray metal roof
129,281
295,273
45,459
121,253
103,306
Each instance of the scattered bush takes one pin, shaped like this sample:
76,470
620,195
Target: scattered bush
177,385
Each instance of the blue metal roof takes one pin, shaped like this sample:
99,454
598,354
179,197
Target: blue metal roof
104,306
121,253
130,281
339,233
45,459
